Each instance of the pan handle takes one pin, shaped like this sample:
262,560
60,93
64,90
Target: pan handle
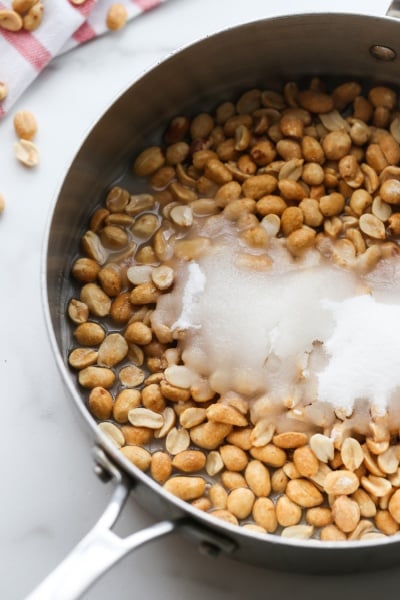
99,550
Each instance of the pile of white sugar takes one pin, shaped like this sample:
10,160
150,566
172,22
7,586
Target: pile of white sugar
308,329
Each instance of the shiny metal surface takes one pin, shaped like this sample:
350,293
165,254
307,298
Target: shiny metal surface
98,551
263,53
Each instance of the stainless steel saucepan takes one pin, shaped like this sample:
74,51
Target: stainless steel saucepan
263,53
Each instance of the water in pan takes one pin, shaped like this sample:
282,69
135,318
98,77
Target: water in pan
261,164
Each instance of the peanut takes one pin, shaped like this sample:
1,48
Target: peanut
138,333
161,467
177,441
136,436
240,502
209,435
89,334
264,514
34,17
386,523
113,350
332,204
336,144
10,20
226,516
270,455
189,461
116,16
25,125
319,516
22,6
300,239
113,433
331,533
92,377
315,102
341,482
124,402
394,506
304,493
390,191
382,96
258,478
140,457
287,512
3,90
81,358
25,151
305,461
292,218
345,513
233,458
258,186
100,403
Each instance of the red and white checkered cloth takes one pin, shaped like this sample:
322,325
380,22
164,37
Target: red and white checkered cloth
24,54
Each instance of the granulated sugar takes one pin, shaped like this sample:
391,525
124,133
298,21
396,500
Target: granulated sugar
301,332
363,353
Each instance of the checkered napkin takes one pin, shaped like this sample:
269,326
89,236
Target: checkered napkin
24,54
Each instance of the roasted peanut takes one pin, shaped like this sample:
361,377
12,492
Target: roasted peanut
148,161
209,435
161,466
3,90
336,144
240,502
116,16
186,488
305,461
25,124
270,455
331,533
100,403
394,506
287,512
345,513
319,516
341,482
292,218
25,151
315,102
33,18
92,377
300,239
382,96
97,301
390,191
233,458
189,461
10,20
304,493
124,402
345,93
112,350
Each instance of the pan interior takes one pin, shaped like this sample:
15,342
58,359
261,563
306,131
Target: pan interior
262,54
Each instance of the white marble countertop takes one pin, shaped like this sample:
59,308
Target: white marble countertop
50,496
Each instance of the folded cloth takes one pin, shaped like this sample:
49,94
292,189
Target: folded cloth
25,54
